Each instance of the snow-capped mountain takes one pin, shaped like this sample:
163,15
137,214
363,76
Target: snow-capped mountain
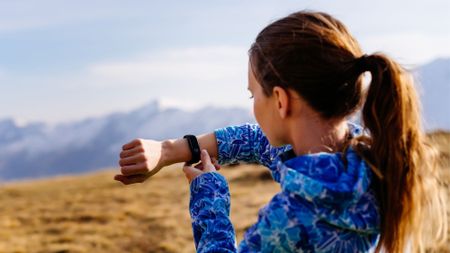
38,150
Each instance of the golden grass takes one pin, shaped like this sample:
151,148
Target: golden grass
93,213
441,140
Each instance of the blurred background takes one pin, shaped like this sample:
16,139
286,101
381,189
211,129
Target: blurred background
80,78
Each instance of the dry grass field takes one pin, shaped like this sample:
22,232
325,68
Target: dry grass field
93,213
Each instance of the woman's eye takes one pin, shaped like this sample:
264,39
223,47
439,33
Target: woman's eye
251,97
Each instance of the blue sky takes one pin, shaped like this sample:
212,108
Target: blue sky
67,60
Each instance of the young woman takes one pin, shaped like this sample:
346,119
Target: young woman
345,187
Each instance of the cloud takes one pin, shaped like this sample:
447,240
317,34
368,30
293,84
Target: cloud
186,104
183,77
208,64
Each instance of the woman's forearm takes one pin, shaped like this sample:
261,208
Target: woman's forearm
177,150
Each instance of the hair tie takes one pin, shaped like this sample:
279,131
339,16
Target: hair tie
362,64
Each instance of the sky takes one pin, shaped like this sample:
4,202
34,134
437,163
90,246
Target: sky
66,60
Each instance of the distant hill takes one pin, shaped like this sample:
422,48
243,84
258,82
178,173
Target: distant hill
434,86
39,150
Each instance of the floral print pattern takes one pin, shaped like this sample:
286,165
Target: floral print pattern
326,203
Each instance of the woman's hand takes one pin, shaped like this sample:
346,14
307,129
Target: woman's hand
139,160
207,165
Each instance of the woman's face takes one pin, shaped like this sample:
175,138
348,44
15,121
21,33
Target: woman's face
263,108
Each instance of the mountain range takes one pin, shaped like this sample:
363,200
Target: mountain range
39,150
434,89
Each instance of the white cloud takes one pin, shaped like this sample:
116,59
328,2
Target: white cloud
185,77
189,65
207,64
186,104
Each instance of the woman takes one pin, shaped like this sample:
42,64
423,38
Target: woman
345,188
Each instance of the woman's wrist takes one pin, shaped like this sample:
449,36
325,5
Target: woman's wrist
177,150
174,151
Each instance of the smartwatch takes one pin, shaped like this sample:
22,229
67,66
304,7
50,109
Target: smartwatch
194,147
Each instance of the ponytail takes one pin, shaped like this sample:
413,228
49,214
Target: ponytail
315,55
407,185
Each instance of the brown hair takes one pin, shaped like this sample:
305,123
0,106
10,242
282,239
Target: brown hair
313,54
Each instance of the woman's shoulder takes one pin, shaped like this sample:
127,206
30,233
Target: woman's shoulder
340,177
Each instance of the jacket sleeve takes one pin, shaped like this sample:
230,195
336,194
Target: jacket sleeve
210,209
245,143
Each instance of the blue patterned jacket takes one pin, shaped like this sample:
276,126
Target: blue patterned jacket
324,205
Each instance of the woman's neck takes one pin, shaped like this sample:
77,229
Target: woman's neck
314,136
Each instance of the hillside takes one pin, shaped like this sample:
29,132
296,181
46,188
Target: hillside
93,213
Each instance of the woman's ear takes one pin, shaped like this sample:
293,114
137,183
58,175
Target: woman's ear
282,101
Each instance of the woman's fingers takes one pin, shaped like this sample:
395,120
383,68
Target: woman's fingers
134,169
132,160
132,151
206,161
130,179
191,172
215,163
132,144
199,166
139,160
207,165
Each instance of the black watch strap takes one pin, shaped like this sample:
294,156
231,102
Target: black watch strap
194,147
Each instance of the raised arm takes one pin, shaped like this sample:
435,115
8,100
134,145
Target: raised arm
245,143
141,158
